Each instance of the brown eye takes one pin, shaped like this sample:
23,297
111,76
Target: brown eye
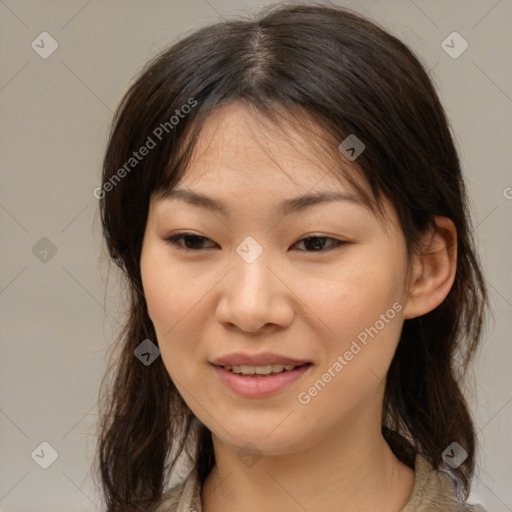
317,243
190,242
186,242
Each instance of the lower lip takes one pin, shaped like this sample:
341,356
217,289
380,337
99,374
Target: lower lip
259,387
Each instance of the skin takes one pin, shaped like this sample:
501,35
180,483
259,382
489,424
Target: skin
294,300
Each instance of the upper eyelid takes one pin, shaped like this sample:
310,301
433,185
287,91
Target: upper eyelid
186,234
180,236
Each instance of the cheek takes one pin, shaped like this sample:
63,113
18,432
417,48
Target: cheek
353,298
169,308
362,309
174,309
168,293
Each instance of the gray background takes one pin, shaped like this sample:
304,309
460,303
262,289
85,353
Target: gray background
59,312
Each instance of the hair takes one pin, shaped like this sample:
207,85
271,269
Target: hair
321,66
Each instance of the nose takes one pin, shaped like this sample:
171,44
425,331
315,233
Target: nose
254,296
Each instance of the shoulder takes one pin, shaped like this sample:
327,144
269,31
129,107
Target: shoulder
434,490
183,497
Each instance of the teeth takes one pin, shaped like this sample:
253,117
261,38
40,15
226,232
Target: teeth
259,370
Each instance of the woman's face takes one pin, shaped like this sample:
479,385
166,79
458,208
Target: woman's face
253,291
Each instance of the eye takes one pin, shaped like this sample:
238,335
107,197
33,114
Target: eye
192,242
317,243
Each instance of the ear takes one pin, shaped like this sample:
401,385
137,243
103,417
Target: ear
433,269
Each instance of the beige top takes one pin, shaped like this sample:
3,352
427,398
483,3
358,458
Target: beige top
433,491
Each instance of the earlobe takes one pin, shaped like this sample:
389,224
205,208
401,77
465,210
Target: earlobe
433,269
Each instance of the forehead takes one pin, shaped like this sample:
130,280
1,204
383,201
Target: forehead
242,147
243,157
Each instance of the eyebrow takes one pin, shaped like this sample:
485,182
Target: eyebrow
294,205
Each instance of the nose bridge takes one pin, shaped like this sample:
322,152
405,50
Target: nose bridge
252,275
252,296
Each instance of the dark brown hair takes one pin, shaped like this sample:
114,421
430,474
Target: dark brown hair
333,69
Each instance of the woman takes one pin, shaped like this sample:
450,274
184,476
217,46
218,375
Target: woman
286,202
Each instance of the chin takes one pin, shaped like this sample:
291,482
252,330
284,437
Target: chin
263,441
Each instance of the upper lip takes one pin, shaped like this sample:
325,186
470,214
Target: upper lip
264,359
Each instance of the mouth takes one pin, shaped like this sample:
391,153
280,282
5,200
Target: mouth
261,371
261,381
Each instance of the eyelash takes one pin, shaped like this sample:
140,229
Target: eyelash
175,240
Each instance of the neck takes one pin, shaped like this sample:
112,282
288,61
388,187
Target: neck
349,470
